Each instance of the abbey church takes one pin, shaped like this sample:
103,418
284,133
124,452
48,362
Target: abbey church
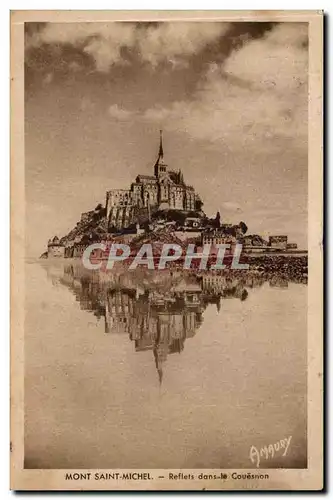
164,190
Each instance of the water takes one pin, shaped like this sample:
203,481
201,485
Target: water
150,370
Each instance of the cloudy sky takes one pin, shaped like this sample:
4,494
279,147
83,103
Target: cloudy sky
231,99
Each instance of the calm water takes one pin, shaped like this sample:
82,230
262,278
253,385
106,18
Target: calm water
150,370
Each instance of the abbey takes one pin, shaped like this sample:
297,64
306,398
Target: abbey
164,190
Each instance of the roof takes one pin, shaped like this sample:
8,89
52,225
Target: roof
55,242
278,237
55,239
147,177
114,191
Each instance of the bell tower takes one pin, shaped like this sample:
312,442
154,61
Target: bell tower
160,167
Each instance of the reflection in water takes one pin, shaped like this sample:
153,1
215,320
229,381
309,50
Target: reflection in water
157,310
162,369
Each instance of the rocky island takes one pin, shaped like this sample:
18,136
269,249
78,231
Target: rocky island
164,207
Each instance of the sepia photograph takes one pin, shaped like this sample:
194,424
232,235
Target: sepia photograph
166,229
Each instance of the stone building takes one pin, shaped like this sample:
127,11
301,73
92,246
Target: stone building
164,190
278,242
217,237
55,248
291,246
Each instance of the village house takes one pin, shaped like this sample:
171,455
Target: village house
55,248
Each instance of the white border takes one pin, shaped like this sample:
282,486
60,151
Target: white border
4,184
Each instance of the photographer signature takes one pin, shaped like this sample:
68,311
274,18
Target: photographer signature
268,451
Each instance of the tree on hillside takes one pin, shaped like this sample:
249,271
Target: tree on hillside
243,227
193,214
198,204
217,221
99,212
177,216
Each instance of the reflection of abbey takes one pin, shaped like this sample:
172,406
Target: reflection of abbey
164,190
156,318
154,322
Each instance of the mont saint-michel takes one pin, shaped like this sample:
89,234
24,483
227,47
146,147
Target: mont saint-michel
163,206
164,303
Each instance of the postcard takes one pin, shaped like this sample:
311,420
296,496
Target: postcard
166,250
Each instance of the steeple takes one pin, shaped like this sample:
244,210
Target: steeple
160,375
160,166
160,153
160,351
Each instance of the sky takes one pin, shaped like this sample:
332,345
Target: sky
231,99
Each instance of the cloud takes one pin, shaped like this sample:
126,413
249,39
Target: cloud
86,104
48,78
231,206
160,114
258,94
153,43
276,61
175,41
120,114
102,41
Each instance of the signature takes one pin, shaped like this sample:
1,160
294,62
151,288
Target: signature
270,450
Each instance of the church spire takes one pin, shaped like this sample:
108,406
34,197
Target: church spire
160,153
160,166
